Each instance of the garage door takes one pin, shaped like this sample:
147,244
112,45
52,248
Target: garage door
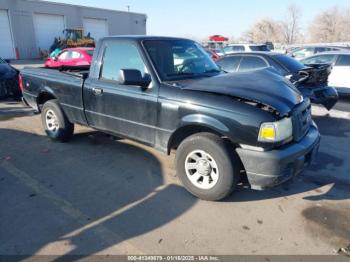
96,27
6,41
47,27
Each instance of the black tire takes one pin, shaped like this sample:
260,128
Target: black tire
225,158
64,129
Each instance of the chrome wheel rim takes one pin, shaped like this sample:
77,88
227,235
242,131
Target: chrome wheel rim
51,121
201,169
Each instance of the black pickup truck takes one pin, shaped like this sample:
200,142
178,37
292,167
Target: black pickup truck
169,94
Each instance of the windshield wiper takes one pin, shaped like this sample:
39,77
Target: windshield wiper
203,74
181,74
212,71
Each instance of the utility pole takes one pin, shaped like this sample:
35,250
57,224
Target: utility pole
128,6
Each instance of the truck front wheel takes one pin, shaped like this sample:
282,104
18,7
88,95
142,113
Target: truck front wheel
55,122
207,167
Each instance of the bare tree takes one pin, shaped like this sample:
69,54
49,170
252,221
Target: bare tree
331,25
263,30
345,28
287,31
291,25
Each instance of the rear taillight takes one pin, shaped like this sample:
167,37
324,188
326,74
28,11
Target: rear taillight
20,82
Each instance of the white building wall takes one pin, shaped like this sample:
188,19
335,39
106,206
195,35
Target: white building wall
25,38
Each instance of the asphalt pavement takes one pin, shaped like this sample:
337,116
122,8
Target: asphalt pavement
102,195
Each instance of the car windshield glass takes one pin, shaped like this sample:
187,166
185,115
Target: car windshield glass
344,60
90,52
290,63
259,48
180,59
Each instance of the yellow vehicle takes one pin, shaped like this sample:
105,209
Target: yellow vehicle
76,38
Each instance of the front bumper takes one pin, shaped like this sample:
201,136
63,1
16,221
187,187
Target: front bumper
266,169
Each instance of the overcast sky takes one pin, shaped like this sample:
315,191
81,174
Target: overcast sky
201,18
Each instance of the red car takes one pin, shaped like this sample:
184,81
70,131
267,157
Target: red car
71,57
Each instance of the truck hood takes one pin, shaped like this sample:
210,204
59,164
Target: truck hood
263,86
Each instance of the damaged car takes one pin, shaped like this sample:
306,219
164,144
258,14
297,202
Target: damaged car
9,87
169,94
311,80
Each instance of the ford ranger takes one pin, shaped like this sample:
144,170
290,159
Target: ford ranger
168,93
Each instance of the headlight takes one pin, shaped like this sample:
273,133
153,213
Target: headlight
276,131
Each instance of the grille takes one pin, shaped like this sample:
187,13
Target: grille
301,120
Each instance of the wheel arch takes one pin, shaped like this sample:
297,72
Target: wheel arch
194,124
43,97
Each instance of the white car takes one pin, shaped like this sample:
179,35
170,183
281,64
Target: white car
340,75
233,48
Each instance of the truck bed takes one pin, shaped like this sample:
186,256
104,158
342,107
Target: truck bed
66,85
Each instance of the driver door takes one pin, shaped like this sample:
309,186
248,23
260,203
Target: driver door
130,111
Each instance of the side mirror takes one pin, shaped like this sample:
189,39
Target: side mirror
55,58
133,77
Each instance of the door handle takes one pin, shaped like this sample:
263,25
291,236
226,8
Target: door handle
97,91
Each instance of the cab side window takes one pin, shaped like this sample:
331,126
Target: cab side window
322,49
251,63
344,60
63,55
119,56
75,55
238,48
320,59
303,52
230,63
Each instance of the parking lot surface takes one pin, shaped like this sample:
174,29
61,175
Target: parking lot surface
102,195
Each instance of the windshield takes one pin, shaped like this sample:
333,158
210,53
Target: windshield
259,48
180,59
290,63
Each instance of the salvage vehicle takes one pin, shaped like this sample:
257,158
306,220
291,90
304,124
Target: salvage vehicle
310,80
222,126
9,87
340,75
71,58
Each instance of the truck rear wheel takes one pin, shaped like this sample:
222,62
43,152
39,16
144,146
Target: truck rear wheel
207,167
55,122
